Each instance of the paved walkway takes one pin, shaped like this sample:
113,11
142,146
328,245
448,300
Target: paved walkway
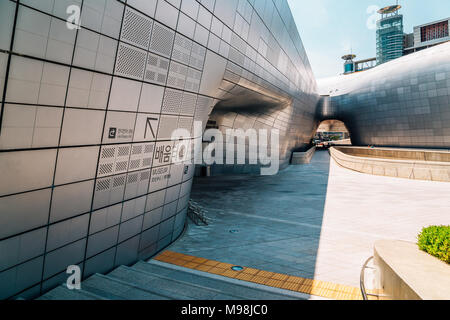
316,221
306,288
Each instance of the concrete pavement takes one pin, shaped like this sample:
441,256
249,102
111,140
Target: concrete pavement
315,221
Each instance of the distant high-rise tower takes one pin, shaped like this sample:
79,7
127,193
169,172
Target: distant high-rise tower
389,34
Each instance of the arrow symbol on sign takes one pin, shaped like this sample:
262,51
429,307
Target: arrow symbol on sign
148,124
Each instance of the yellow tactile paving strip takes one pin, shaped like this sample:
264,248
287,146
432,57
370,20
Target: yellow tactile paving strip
276,280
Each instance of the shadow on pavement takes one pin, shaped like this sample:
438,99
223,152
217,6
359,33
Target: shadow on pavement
271,223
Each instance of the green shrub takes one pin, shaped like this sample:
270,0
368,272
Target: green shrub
436,241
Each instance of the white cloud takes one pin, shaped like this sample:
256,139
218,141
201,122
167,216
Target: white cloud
324,64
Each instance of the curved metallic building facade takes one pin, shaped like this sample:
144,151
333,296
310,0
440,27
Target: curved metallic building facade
402,103
87,176
293,116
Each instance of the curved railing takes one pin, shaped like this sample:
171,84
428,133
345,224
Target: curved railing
361,279
362,285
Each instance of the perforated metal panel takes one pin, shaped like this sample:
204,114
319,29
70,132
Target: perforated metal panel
177,75
103,185
144,175
188,104
172,101
131,62
193,80
141,156
182,49
118,181
132,178
162,40
197,56
113,160
137,184
157,69
136,29
109,191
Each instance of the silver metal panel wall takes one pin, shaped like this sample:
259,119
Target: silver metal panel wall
87,114
403,103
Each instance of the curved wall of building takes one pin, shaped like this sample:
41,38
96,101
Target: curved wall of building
293,117
402,103
87,114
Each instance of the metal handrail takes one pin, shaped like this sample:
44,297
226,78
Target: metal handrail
196,213
361,279
362,284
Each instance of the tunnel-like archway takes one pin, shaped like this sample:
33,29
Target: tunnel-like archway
333,130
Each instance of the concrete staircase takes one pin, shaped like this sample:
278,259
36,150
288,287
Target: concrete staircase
155,280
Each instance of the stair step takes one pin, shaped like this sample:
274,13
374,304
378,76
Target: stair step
177,289
232,287
156,280
63,293
118,290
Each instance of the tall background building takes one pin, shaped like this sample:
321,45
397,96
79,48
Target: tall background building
427,35
393,43
389,34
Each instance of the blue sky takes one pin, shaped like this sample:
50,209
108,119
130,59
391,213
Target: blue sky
331,28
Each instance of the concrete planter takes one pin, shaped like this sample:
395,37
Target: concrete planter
409,164
303,157
407,273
